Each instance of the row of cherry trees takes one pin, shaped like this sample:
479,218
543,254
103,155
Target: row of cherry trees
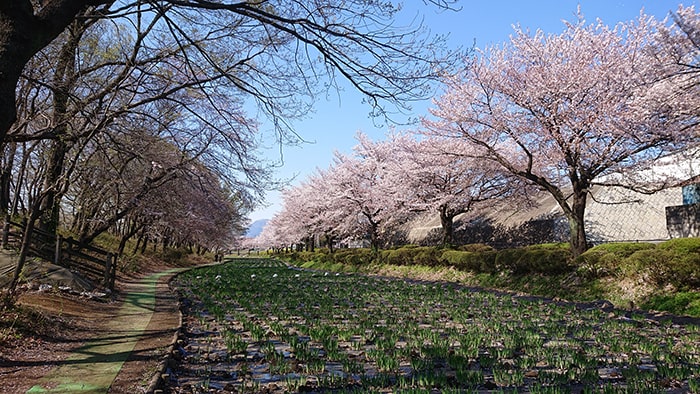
593,105
113,134
373,192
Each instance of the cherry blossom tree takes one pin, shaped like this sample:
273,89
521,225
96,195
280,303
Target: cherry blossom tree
368,205
273,235
336,211
191,210
562,111
294,221
317,204
681,41
349,200
442,176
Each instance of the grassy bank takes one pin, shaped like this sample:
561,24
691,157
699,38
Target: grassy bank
661,277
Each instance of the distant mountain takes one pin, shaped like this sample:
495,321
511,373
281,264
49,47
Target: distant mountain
256,228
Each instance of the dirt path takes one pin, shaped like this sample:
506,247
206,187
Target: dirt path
121,351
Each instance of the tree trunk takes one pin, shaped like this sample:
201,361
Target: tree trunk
21,174
8,84
447,222
310,243
145,244
13,58
374,237
122,244
573,211
577,228
24,31
63,81
138,242
24,249
126,236
51,207
330,239
6,178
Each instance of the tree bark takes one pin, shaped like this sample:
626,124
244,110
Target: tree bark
330,239
63,82
447,222
374,237
6,178
50,209
24,31
21,175
577,228
132,230
144,245
24,249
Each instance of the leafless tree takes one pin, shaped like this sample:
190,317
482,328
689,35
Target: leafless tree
285,49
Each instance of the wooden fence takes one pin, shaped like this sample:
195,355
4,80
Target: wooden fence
97,264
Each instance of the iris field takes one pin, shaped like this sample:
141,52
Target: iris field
257,325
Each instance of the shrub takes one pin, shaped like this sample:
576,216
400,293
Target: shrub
652,264
686,271
477,262
506,260
551,246
548,259
362,256
401,256
322,254
459,259
341,255
426,255
174,255
356,257
383,256
675,262
411,255
607,259
682,245
488,262
306,256
476,248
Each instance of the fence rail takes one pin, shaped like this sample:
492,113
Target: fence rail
95,263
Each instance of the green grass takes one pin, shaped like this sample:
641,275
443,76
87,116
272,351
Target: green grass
682,303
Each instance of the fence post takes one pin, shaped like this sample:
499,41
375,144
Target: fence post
57,250
110,271
113,275
6,232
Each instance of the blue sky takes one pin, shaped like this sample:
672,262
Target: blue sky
335,120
